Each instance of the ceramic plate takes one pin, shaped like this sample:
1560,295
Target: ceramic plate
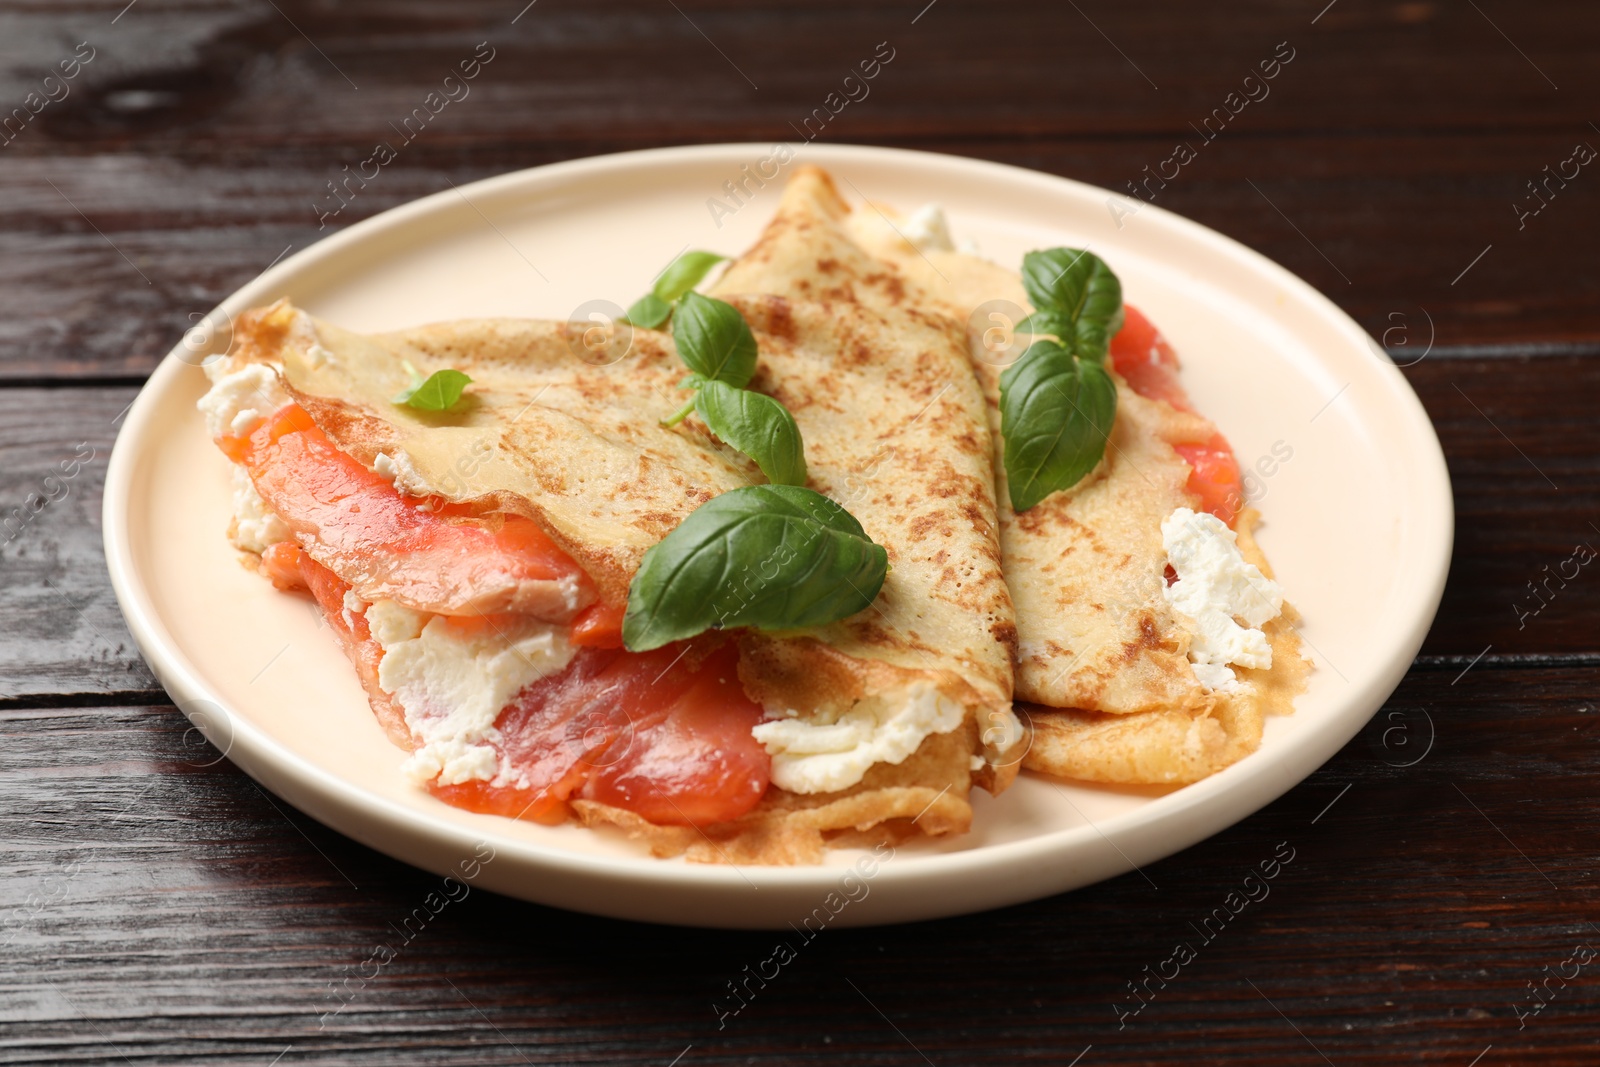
1358,520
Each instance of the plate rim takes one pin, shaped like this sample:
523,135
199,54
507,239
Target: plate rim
1212,804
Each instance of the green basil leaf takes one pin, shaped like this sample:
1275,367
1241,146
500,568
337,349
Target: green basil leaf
758,426
648,311
772,557
683,274
1078,288
714,340
1073,282
1046,322
440,392
1056,412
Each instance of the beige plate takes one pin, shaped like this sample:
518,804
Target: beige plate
1358,521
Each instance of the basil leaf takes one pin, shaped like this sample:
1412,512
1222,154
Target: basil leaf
1081,291
773,557
1056,412
714,340
758,426
683,274
648,311
441,391
1046,322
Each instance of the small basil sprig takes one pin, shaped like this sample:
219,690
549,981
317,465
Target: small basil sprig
756,425
1056,411
440,391
716,344
681,275
1058,403
772,557
714,340
1077,298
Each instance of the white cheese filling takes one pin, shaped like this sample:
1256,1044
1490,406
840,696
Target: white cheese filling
928,229
256,527
235,403
925,229
824,753
1222,599
453,678
237,400
399,469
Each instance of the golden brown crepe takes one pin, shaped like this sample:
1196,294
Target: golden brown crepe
1086,566
570,437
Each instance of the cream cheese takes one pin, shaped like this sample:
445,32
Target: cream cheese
353,606
318,357
453,678
1222,599
237,400
235,403
399,469
928,229
823,753
256,527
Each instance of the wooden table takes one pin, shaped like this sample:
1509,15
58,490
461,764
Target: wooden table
157,907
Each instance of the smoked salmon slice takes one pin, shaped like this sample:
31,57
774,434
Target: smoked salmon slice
698,762
432,557
1146,361
664,734
646,732
1149,365
289,568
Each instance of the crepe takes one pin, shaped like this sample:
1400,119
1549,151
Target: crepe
1102,658
568,435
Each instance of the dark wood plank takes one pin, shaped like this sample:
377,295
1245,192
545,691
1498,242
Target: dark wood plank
156,907
160,909
160,241
60,630
1523,464
190,151
641,69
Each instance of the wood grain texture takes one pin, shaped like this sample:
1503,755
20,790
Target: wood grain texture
160,909
157,907
60,630
198,143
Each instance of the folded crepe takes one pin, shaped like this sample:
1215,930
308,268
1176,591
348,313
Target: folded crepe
1104,671
475,562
